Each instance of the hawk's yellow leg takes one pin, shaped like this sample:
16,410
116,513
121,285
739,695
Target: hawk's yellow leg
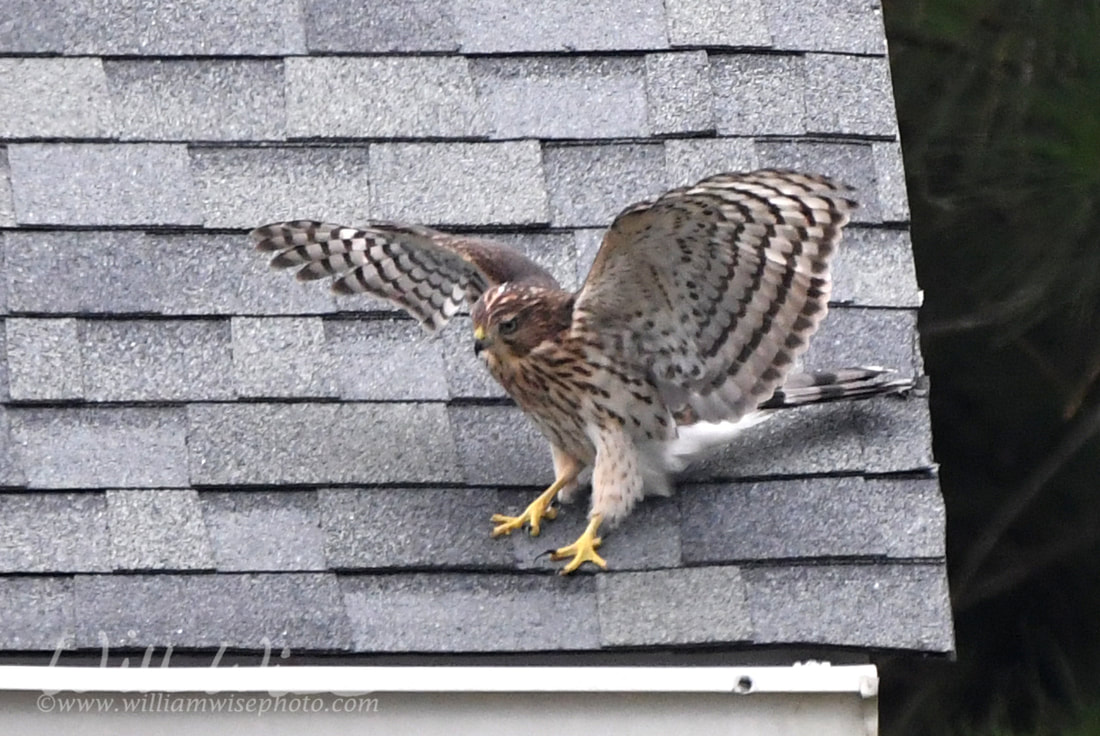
584,549
535,512
566,470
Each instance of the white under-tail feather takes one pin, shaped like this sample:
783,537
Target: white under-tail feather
696,440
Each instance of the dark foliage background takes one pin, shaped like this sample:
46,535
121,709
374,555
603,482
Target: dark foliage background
999,102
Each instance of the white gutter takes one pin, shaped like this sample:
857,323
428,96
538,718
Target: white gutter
807,677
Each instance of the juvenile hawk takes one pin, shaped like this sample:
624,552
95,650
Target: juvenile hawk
695,309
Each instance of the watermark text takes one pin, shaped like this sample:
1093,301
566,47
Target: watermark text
158,702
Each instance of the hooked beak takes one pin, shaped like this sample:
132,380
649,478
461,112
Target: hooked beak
479,340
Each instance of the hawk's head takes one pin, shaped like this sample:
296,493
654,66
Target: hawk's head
511,319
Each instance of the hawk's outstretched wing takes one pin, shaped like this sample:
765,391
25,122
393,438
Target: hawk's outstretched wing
426,272
715,288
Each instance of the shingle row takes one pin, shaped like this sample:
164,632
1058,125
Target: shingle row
143,360
472,184
885,435
571,97
200,275
899,606
254,444
230,444
149,27
472,26
391,528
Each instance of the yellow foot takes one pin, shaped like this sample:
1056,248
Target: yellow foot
583,550
533,515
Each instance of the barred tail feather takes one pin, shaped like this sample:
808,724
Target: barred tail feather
847,384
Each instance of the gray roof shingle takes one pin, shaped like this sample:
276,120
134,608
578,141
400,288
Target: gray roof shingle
391,528
689,160
562,97
301,611
157,530
73,265
647,608
103,184
203,274
198,452
234,444
897,439
591,184
174,100
32,27
849,95
679,93
758,94
459,183
717,23
384,360
38,613
246,187
587,241
100,447
497,446
148,27
264,530
11,457
7,207
5,393
178,274
875,267
50,532
54,98
280,357
156,360
341,26
891,181
845,26
420,612
862,336
43,359
909,604
380,97
843,517
494,26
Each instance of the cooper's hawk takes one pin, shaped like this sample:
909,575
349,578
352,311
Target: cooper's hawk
692,315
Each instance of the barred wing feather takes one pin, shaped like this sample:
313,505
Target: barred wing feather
428,273
715,289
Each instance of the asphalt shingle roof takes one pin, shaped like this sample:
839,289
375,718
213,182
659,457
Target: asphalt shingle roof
196,452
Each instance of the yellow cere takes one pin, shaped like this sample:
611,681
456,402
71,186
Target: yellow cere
479,333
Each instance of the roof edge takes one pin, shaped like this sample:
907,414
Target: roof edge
802,677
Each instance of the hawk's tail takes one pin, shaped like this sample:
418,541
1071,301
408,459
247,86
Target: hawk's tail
696,438
819,387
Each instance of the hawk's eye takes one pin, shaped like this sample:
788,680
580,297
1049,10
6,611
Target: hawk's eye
508,326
